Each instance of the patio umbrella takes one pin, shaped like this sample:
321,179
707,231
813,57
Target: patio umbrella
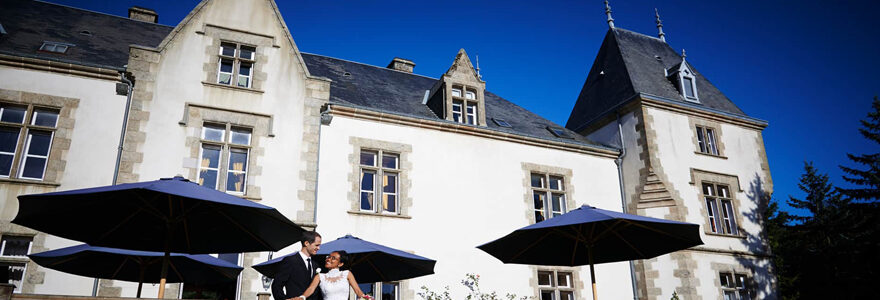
167,215
370,262
137,266
589,235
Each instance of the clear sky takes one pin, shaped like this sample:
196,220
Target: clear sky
810,68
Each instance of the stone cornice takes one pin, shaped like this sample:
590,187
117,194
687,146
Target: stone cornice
371,115
661,103
58,67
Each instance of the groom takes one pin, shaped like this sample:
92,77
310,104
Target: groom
297,270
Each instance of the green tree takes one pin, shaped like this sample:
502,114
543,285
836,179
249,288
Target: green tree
822,197
866,178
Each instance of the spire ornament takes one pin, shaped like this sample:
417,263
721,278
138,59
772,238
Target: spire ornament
683,54
659,25
608,12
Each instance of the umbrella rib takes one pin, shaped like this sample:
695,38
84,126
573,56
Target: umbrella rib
530,246
174,268
186,226
658,231
608,230
107,233
622,239
120,267
261,241
382,276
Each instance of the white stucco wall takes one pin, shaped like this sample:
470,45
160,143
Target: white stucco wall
466,191
90,160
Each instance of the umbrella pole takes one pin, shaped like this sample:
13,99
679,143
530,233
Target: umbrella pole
592,272
164,274
141,280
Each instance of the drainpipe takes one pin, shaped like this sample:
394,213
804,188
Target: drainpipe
326,118
119,147
619,162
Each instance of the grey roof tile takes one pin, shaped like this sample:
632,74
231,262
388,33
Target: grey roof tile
29,23
402,93
635,63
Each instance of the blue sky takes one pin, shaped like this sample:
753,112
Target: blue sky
810,68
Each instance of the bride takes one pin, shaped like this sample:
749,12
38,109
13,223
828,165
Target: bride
333,283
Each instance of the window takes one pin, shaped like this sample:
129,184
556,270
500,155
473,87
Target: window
224,157
548,193
735,286
720,209
688,85
501,122
390,290
464,110
379,190
706,140
559,132
555,285
55,47
26,134
15,246
236,64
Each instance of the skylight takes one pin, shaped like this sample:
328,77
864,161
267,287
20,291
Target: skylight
55,47
559,132
501,122
2,30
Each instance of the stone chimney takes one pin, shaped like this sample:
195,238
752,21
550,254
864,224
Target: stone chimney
402,64
143,14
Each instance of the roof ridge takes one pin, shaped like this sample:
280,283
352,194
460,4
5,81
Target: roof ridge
639,33
369,65
101,13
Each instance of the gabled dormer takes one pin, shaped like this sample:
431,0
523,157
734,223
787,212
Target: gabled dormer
459,94
683,77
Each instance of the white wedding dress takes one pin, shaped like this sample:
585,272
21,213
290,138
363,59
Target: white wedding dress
334,285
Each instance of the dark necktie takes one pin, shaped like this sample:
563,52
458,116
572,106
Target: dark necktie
309,266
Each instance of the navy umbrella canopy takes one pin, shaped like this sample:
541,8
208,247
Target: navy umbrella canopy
137,266
588,236
369,262
168,215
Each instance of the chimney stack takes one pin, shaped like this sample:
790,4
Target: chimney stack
143,14
401,64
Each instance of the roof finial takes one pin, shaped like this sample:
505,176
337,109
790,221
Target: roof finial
608,12
660,25
683,54
478,67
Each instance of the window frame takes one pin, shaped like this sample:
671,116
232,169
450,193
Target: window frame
554,286
716,210
379,173
45,47
686,73
465,102
707,140
739,284
237,62
226,147
548,194
26,129
377,286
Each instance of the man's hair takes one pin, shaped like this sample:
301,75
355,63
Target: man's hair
309,236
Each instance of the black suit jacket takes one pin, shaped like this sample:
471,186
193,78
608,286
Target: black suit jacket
294,278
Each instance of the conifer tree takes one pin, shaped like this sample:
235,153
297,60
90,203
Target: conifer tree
867,178
822,197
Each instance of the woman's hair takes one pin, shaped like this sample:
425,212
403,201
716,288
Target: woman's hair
343,258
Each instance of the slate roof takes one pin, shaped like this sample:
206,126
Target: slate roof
29,23
382,89
633,64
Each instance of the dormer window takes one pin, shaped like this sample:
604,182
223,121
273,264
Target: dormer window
236,65
688,85
464,109
55,47
683,77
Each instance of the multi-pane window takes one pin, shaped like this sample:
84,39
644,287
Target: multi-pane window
389,290
15,246
464,105
548,193
555,285
379,186
54,47
224,157
236,64
720,208
735,286
26,134
706,140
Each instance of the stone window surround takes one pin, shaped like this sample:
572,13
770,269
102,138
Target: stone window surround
225,153
61,138
577,285
528,169
698,177
718,268
195,116
218,35
715,126
404,182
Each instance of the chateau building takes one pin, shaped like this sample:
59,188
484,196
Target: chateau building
435,165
